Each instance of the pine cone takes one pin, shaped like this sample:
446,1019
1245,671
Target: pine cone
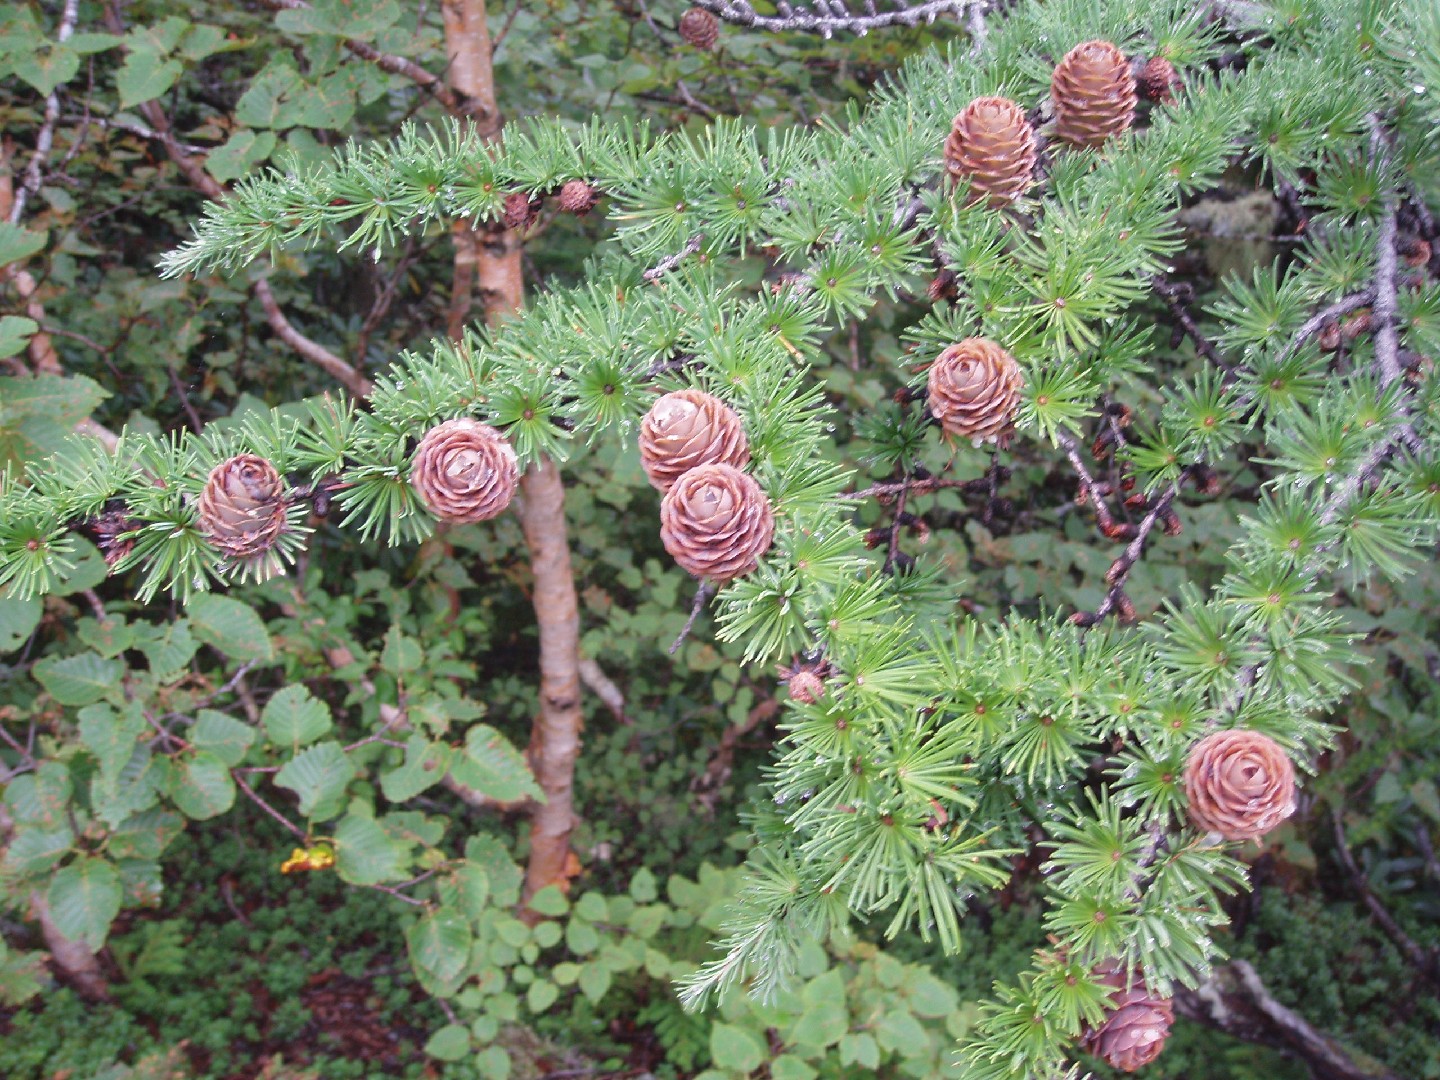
242,506
686,429
806,687
577,197
1158,79
1240,784
1136,1027
700,28
108,529
974,390
716,522
993,146
1094,94
520,210
464,471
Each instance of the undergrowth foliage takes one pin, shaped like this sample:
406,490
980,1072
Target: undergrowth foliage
944,743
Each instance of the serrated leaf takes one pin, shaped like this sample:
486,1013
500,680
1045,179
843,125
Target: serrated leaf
144,76
493,767
241,152
294,718
33,851
319,776
401,653
224,736
737,1048
79,680
202,787
860,1050
364,854
135,789
440,943
472,889
145,835
230,626
111,735
38,414
15,334
40,798
84,899
450,1043
424,766
170,651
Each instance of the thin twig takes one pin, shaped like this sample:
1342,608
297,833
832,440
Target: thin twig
258,801
670,262
829,16
1425,961
45,139
702,594
1175,299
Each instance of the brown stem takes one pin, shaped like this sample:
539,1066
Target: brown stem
555,740
73,960
1235,1001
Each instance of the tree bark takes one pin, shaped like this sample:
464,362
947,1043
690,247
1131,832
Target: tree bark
489,258
74,962
1235,1001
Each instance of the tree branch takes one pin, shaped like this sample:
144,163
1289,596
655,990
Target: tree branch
1234,1000
828,16
46,137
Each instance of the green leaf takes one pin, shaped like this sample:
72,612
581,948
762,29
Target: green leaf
580,937
929,997
202,787
860,1050
170,650
401,653
737,1048
84,899
79,680
40,798
241,152
493,1063
18,243
15,334
47,67
294,718
146,835
493,767
33,851
549,901
145,76
18,619
450,1043
424,767
364,853
541,995
594,981
642,887
358,20
111,736
472,887
790,1067
824,1019
230,626
37,415
224,736
440,943
319,776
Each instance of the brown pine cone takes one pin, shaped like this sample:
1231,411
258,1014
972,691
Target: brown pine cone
700,28
521,210
1158,79
716,522
109,528
992,145
464,471
242,506
1094,94
806,687
1240,784
686,429
1135,1027
974,390
577,197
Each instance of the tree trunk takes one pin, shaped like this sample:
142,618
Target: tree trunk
489,258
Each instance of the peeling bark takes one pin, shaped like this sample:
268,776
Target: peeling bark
74,963
555,739
1235,1001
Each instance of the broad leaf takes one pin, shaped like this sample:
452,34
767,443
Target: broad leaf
224,736
84,899
111,735
364,854
18,619
79,680
440,943
493,767
319,776
145,76
424,767
202,787
293,718
230,626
